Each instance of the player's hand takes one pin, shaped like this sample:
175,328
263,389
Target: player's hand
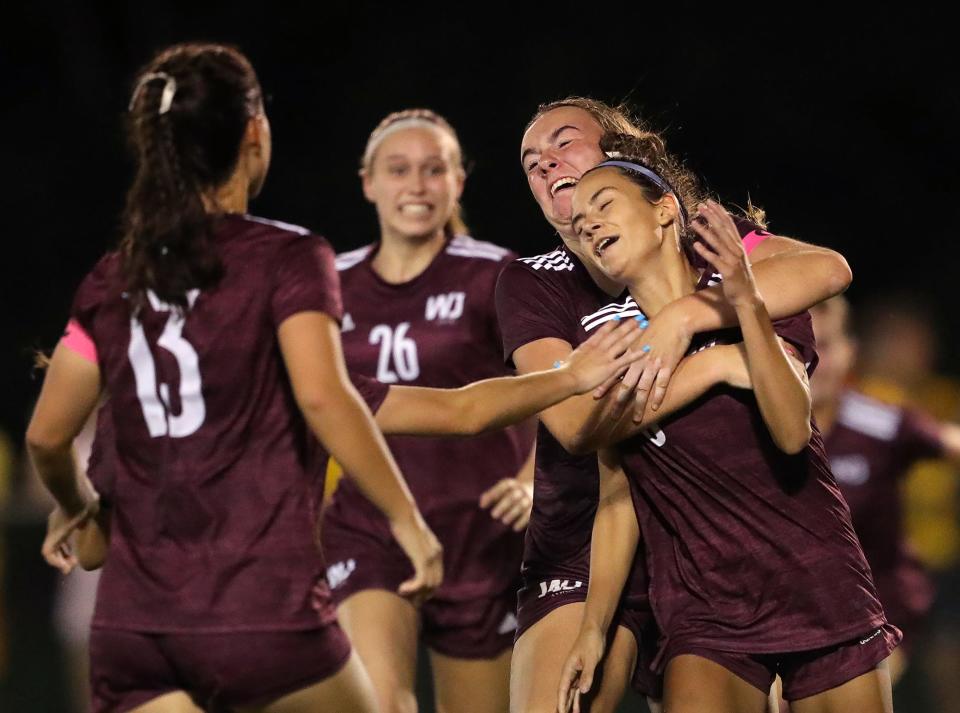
601,360
425,553
722,247
577,677
511,502
664,342
56,548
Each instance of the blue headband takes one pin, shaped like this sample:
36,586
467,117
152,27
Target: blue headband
655,178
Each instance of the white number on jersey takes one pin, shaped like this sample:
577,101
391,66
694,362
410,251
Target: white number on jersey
398,353
154,400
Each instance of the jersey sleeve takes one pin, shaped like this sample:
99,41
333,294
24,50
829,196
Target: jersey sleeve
530,308
798,332
76,339
305,280
92,293
919,437
373,392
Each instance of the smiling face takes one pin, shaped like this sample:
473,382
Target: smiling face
557,149
415,180
618,227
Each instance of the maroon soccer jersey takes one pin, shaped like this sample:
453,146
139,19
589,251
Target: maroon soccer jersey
440,330
749,549
553,296
871,446
538,298
216,486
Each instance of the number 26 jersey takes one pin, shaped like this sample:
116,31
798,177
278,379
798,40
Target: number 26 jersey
438,329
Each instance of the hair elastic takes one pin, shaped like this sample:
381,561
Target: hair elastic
169,90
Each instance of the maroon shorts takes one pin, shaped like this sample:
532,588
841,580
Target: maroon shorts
218,671
480,628
541,594
804,673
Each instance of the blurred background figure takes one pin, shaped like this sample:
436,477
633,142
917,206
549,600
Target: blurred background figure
894,456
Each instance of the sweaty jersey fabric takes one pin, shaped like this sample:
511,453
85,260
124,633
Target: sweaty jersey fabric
749,549
215,480
871,446
438,329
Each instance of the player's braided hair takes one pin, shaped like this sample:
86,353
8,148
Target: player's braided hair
456,225
188,114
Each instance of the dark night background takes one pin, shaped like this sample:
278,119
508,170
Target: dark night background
842,129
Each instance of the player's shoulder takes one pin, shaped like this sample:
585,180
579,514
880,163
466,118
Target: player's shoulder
869,416
261,235
469,248
351,258
557,262
105,272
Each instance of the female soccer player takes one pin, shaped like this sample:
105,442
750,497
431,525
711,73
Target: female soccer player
218,342
755,568
420,311
871,446
547,305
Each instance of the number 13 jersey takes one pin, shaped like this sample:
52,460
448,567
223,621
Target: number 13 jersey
440,330
216,486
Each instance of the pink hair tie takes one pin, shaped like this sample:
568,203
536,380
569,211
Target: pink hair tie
76,339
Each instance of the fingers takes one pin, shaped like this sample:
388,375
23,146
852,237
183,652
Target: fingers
59,556
627,386
644,387
605,387
511,503
518,515
568,679
621,339
660,387
586,676
508,503
719,222
494,494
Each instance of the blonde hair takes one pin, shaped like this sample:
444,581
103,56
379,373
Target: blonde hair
411,119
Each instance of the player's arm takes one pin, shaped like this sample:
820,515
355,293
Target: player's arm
310,344
582,424
779,380
791,276
92,540
616,535
495,403
71,390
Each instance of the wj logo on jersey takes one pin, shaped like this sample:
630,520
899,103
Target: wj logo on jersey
337,573
555,586
445,308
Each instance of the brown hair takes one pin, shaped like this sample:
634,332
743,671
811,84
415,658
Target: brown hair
651,151
620,120
456,224
617,119
188,114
